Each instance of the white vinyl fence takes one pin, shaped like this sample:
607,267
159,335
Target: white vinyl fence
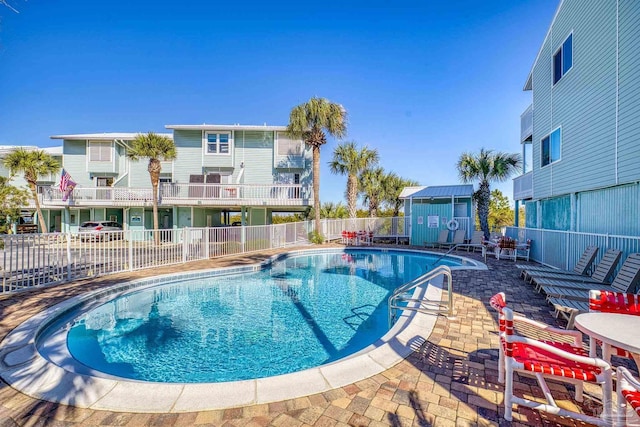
30,260
562,249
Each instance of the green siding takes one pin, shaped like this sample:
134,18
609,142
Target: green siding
189,154
257,154
218,160
556,213
531,214
618,215
421,233
75,162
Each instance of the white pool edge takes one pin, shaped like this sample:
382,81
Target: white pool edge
23,368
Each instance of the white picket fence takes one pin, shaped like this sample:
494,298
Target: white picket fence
30,260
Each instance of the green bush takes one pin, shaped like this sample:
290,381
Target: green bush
315,237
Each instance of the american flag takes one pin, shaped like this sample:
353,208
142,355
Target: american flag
66,185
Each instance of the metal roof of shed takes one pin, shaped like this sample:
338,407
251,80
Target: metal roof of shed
443,191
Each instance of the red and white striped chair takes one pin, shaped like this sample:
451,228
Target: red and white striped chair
612,302
628,394
568,362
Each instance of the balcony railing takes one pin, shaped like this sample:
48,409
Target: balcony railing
526,124
523,187
184,194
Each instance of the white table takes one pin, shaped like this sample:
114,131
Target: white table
613,329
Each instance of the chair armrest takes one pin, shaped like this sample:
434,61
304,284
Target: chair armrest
623,373
592,361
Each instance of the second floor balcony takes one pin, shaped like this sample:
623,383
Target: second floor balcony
523,187
526,124
183,195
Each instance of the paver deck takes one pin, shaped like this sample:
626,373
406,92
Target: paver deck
452,380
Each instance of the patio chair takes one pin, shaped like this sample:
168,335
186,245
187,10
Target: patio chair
458,239
626,281
628,391
582,267
442,239
562,361
476,242
602,274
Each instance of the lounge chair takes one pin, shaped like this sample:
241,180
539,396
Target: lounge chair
569,302
626,281
602,274
560,360
582,267
476,242
458,239
442,239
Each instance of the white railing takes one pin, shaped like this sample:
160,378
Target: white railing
184,194
562,249
30,260
45,259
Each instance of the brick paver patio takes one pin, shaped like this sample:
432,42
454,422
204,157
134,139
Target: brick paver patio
450,381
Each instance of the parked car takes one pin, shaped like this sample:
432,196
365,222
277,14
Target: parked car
100,230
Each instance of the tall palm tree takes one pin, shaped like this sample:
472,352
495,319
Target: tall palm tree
311,121
32,164
349,160
371,189
393,186
156,148
486,167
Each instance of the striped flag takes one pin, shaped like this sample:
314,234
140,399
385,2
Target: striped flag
66,185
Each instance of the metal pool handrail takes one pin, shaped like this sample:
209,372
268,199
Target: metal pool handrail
424,305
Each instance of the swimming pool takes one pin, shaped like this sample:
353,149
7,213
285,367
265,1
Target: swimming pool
300,312
298,285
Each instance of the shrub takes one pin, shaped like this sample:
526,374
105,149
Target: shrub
315,237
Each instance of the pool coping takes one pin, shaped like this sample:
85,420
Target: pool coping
25,369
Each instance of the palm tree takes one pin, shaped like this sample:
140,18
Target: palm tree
486,166
351,161
33,164
310,121
333,211
393,186
371,184
156,148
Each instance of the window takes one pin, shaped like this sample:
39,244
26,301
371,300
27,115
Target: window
563,59
551,147
289,147
100,151
218,143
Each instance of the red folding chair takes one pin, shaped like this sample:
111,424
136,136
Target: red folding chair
568,362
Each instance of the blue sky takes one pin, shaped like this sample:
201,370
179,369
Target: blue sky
422,81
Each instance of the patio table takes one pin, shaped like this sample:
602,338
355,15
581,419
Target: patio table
612,329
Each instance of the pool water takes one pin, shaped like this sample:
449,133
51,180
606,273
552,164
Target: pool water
301,312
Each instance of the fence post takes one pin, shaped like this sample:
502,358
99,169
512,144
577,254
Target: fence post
69,256
566,248
206,242
130,247
185,238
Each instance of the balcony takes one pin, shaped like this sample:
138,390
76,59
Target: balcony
227,195
523,187
526,124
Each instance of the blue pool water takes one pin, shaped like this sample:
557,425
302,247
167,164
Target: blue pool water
302,312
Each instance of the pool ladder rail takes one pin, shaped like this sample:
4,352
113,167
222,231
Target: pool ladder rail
422,305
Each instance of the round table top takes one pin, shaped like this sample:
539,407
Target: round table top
620,330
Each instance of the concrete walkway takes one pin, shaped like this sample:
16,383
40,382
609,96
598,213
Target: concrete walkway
450,381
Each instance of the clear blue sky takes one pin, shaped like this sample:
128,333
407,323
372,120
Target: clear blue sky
422,81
